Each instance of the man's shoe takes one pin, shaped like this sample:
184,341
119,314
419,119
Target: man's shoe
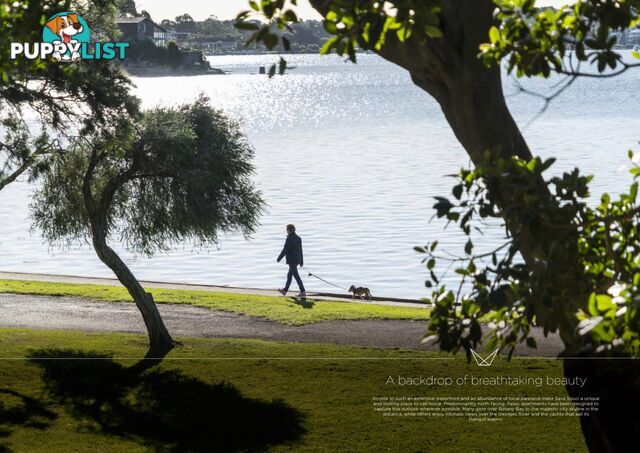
302,294
282,291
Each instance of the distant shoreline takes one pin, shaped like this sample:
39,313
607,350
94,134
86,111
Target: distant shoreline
158,71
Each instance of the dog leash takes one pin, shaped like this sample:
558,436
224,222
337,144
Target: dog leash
327,282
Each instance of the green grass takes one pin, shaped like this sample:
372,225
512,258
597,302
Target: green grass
285,310
242,400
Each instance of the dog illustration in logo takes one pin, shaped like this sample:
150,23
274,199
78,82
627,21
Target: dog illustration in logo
66,27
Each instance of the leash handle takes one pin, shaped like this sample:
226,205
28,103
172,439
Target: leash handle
327,282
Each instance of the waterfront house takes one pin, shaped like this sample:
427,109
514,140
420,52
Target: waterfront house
141,28
226,45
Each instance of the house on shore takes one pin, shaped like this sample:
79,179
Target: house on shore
141,28
151,55
226,45
182,38
215,45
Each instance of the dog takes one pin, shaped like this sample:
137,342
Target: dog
360,292
66,27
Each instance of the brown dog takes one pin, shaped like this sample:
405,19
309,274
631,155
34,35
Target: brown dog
360,291
66,27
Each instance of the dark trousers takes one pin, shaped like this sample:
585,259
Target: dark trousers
293,273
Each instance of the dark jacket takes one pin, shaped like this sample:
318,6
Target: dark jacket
292,250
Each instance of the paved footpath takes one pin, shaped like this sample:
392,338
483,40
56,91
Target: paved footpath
53,278
50,312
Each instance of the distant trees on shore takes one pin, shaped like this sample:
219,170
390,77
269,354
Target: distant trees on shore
305,35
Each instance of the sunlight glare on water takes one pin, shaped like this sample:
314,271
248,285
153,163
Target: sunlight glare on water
353,155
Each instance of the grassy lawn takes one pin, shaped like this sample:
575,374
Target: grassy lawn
285,310
244,400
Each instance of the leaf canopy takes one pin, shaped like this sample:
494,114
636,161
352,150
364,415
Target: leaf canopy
180,174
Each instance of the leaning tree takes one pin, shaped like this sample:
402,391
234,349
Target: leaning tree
176,174
565,267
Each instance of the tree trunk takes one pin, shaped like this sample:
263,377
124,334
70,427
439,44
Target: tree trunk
478,114
160,340
615,427
472,99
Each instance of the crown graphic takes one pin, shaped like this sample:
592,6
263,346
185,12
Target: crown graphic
487,361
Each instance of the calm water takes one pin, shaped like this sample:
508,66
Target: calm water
352,154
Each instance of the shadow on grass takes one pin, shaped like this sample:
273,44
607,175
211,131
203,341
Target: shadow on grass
21,411
303,302
164,410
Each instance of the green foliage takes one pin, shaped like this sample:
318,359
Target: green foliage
532,40
145,50
177,174
583,281
21,150
367,23
22,21
280,15
351,24
173,55
127,8
560,253
86,94
184,18
538,41
93,84
300,36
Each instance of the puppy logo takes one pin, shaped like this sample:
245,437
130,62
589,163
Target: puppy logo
67,32
66,37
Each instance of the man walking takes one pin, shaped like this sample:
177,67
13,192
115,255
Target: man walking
292,250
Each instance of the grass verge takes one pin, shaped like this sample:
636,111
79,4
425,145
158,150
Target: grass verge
249,395
285,310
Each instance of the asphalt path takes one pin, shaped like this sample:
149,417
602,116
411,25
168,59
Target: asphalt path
71,313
